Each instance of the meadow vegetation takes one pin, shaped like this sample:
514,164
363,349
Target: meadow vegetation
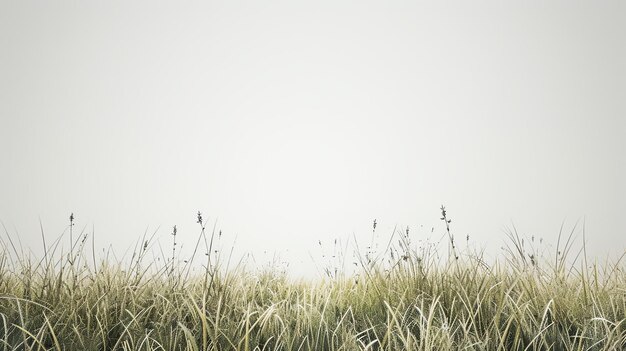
403,297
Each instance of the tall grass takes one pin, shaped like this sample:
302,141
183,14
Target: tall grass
404,298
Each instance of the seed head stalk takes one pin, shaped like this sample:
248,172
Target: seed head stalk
451,245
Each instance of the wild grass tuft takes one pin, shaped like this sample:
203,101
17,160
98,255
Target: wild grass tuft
404,298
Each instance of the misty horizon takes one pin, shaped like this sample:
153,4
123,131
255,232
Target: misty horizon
293,124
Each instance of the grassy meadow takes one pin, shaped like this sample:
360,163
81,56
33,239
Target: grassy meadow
403,297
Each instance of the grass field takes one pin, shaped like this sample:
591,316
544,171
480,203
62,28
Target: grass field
402,298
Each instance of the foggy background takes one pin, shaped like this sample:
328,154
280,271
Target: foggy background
291,123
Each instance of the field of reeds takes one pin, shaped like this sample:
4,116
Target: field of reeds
401,298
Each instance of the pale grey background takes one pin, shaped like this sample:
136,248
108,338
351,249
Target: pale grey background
292,122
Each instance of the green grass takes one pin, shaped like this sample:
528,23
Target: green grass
402,299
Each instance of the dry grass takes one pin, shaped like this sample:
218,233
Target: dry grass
407,299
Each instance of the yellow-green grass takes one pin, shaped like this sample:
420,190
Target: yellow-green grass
414,301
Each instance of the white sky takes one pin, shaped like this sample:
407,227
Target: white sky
291,122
